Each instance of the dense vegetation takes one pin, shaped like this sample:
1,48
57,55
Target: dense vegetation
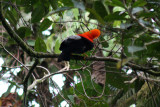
122,69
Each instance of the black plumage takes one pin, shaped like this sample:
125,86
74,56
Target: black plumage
74,44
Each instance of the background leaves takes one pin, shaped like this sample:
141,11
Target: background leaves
129,41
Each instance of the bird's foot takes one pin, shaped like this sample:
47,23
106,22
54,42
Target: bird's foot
85,55
67,65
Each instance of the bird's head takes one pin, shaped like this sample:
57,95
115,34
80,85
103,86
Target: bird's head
91,35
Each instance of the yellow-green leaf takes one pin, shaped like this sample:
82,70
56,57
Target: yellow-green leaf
57,45
50,43
40,45
122,62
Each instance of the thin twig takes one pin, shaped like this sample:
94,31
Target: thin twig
150,87
142,25
30,71
91,98
14,57
12,4
60,92
15,6
25,82
40,97
101,94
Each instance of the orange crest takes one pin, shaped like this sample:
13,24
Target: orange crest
92,34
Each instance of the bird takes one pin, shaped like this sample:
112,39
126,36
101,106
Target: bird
77,44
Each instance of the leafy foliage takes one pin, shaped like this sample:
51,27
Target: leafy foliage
129,41
40,45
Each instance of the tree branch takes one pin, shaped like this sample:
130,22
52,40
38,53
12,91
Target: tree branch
30,71
25,82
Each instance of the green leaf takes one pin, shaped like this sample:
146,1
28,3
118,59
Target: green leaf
153,48
67,2
100,8
40,45
11,17
105,44
78,4
31,42
117,24
45,4
123,62
45,24
96,15
148,15
57,45
54,4
144,22
129,2
132,31
76,13
115,16
59,10
50,43
37,14
71,97
101,104
116,80
118,9
139,3
138,84
133,49
114,3
24,32
125,25
137,9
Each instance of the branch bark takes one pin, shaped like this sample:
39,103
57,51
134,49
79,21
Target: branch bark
25,82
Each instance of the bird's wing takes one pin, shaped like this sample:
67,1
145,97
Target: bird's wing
70,40
88,45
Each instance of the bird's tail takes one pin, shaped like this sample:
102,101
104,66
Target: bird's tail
64,56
